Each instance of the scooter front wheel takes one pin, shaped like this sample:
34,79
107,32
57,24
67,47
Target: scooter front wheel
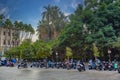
79,69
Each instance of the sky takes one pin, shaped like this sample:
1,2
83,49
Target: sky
29,11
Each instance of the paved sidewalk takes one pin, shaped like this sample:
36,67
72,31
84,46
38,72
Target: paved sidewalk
12,73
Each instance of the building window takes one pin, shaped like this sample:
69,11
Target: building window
4,42
4,33
13,42
17,43
12,34
8,42
8,33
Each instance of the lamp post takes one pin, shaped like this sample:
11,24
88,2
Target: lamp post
109,52
56,56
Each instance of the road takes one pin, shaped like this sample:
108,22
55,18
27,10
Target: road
12,73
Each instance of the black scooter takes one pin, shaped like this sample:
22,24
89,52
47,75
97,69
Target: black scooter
80,67
22,65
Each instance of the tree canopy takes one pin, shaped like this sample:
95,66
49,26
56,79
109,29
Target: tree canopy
94,22
92,28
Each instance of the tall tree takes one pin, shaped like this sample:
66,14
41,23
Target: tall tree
53,20
9,29
44,31
93,26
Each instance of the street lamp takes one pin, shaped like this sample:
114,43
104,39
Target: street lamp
109,52
56,56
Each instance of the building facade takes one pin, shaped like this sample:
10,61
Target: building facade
8,39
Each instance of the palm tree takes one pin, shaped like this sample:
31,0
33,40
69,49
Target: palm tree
20,27
9,28
47,20
44,30
1,25
26,31
31,31
8,24
16,35
53,20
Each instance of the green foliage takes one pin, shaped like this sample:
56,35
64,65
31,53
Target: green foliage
117,43
13,52
97,22
95,50
28,50
42,49
68,52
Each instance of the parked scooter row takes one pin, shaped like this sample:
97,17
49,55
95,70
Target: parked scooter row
104,65
7,63
64,65
76,64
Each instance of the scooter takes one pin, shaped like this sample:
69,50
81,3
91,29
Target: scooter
111,67
80,67
106,65
92,66
23,65
99,66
